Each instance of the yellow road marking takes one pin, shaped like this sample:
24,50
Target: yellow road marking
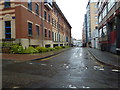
49,58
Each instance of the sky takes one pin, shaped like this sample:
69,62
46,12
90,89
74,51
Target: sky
74,11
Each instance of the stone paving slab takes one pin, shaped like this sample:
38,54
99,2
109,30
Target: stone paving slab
27,57
105,57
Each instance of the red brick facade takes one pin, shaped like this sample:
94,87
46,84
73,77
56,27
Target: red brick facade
21,16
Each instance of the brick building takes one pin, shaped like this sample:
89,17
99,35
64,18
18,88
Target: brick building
109,25
34,23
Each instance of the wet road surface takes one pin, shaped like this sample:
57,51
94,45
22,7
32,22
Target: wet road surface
75,68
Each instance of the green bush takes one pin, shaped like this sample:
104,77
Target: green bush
65,46
42,49
31,50
7,44
17,49
51,49
58,47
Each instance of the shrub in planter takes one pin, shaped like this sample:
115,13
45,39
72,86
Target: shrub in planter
31,50
63,46
7,44
58,47
17,49
66,46
42,49
51,49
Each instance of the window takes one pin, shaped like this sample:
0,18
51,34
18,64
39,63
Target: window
100,18
30,4
7,3
37,30
49,34
49,2
104,13
45,15
53,36
37,9
52,21
55,23
96,17
45,33
66,39
58,26
48,17
59,37
110,4
104,30
96,22
95,6
30,29
8,29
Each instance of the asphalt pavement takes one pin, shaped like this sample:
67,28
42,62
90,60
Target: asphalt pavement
74,68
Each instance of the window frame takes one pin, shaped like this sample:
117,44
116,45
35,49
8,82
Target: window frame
37,8
30,5
49,18
7,27
45,32
45,15
7,4
30,33
38,30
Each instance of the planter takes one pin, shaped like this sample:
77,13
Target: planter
5,49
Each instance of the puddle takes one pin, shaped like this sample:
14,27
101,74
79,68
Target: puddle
86,58
85,87
43,64
98,68
71,86
67,66
115,70
30,63
16,87
80,54
83,68
51,65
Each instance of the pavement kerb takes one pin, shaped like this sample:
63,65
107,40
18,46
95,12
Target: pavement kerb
96,58
50,55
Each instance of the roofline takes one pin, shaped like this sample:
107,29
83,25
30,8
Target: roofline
55,4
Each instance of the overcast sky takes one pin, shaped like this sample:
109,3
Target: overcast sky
74,11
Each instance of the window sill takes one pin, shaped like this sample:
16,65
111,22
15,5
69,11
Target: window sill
6,7
29,35
29,10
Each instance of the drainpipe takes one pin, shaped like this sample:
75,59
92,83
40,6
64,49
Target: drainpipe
42,24
58,33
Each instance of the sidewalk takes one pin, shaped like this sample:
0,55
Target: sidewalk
28,57
105,57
